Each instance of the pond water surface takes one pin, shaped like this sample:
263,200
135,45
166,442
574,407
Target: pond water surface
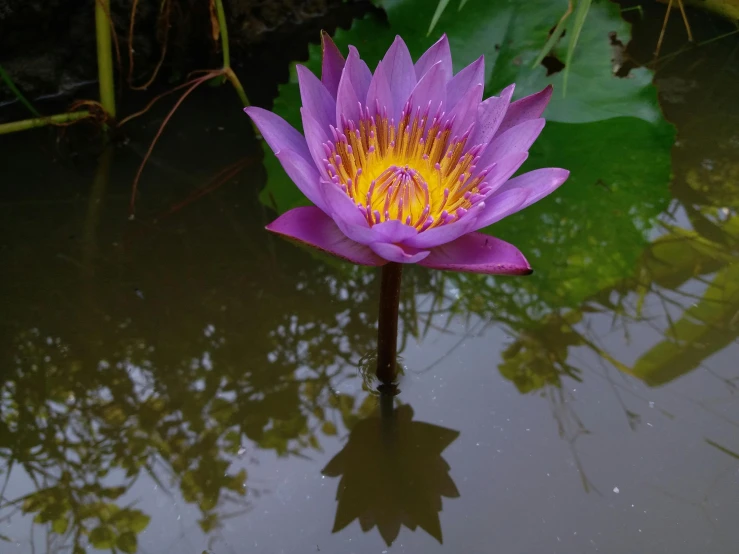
187,383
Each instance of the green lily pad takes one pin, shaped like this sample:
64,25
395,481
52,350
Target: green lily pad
591,232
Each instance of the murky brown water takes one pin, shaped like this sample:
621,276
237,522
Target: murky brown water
187,383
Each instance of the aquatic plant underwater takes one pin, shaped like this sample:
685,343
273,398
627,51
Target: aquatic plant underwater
406,164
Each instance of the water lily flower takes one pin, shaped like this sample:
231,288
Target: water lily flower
407,164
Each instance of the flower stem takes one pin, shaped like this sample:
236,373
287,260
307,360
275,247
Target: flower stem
387,329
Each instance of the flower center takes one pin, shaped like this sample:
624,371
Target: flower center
414,172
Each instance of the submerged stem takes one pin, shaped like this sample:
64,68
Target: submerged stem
387,329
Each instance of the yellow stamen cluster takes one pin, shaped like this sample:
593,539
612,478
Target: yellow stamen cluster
413,171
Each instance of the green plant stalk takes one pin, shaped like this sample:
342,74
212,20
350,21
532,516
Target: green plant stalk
437,14
554,37
234,80
228,72
105,56
580,15
224,34
22,99
26,124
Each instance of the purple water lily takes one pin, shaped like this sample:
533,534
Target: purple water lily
406,164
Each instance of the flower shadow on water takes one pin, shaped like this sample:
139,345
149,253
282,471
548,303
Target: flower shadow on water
393,475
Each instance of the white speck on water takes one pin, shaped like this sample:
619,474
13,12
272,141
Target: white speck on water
616,490
650,424
528,429
477,444
651,404
179,517
242,451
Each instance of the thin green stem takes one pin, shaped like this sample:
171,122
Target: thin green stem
228,73
22,99
387,328
105,56
583,7
26,124
224,34
234,80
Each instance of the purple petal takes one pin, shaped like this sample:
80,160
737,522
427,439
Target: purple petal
469,77
448,232
479,253
278,133
430,90
347,215
393,231
395,253
379,93
490,115
502,171
332,65
315,136
355,81
528,107
305,176
516,140
537,184
439,52
347,102
464,114
400,74
317,100
501,205
311,226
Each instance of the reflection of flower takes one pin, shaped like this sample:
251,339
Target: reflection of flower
392,474
405,164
